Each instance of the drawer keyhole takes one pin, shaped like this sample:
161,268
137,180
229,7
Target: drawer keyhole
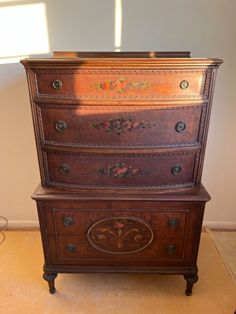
71,248
68,221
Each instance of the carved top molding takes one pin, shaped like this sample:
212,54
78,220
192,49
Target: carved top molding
120,71
121,187
124,97
123,109
193,151
122,61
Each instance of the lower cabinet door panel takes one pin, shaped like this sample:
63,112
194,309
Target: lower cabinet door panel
122,233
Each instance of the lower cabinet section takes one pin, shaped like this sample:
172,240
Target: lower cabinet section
131,234
104,233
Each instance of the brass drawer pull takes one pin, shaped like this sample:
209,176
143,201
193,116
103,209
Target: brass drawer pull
184,84
170,249
57,84
60,126
180,126
68,221
71,248
176,170
64,169
173,223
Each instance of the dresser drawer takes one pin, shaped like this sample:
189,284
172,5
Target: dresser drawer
71,222
78,248
130,126
122,84
121,170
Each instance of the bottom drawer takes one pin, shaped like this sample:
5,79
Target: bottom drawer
135,248
124,233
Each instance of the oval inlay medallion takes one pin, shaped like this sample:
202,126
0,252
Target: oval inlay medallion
120,235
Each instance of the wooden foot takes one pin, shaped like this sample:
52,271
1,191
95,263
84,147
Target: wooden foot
50,278
191,280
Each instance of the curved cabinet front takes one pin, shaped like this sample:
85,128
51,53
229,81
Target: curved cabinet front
159,170
121,126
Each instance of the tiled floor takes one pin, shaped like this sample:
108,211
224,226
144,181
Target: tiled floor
23,290
225,242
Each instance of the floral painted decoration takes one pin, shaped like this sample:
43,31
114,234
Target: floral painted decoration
120,235
120,85
119,170
121,125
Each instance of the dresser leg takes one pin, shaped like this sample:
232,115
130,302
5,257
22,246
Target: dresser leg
191,279
50,278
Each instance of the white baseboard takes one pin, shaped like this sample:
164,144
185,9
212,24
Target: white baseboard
22,224
226,225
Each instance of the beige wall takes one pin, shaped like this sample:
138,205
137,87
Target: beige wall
206,28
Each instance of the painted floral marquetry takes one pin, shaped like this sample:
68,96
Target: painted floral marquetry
120,85
120,235
120,170
121,125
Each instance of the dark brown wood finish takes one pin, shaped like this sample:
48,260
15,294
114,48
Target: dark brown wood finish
107,54
121,140
120,127
159,170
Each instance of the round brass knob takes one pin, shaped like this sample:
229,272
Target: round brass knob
173,223
57,84
176,170
64,169
184,84
170,249
68,221
60,126
71,248
180,126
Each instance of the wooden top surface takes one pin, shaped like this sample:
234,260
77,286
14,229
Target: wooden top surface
160,59
196,194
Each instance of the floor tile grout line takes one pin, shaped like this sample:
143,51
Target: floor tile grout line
226,265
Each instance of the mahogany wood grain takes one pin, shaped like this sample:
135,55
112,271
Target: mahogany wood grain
121,140
121,170
123,54
120,127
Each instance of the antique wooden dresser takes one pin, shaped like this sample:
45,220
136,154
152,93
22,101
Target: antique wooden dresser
121,140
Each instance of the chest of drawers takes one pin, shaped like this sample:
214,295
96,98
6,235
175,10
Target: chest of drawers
121,140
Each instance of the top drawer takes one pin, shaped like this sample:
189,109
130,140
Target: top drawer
122,84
